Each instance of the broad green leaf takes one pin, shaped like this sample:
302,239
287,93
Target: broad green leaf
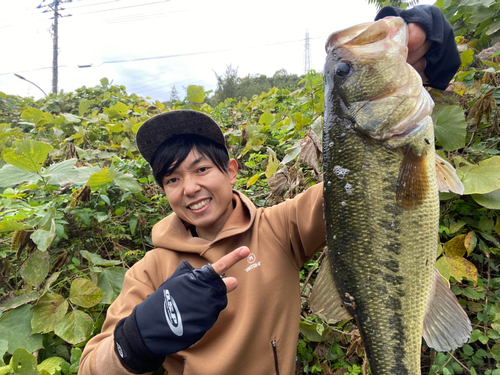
84,293
120,108
495,351
493,28
96,259
51,365
456,246
3,349
252,180
99,179
104,81
12,300
51,280
12,176
292,152
309,330
451,128
84,106
24,363
15,327
36,268
481,178
111,283
75,327
32,115
28,154
43,238
126,182
488,200
48,312
266,119
195,93
65,172
458,267
72,119
10,226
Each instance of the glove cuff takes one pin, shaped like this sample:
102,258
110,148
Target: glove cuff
130,347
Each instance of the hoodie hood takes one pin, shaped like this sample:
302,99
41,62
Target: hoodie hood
173,234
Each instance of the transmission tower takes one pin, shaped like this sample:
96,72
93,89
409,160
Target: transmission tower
307,56
54,7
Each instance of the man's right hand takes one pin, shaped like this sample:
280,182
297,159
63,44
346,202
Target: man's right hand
177,314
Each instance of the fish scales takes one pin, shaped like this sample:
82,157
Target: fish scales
382,245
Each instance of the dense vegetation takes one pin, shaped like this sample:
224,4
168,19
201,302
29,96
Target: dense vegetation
77,203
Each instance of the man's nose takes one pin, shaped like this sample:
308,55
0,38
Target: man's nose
191,186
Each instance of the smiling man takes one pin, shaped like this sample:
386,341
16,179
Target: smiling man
175,310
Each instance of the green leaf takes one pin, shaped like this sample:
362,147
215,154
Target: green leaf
451,128
96,259
126,182
99,179
10,226
36,268
252,180
11,176
48,312
111,283
3,349
266,119
24,363
44,236
14,300
75,327
15,327
84,293
195,93
65,172
310,331
488,200
84,106
292,152
481,178
28,154
51,365
32,115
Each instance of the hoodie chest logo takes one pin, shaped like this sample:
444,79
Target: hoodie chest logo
252,259
172,313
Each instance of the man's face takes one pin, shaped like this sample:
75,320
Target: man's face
200,194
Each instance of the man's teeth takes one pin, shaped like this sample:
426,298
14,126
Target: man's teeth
197,206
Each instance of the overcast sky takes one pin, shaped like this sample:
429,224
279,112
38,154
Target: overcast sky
151,45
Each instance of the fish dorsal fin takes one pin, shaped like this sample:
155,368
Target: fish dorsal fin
446,324
413,184
447,179
325,298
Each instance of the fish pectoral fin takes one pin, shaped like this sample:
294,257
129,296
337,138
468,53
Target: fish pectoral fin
447,178
325,298
413,184
446,324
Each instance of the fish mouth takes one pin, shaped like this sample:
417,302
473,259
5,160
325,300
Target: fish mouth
365,33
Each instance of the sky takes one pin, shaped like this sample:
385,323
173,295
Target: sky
149,46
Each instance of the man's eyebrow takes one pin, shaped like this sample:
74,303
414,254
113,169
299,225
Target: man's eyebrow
197,160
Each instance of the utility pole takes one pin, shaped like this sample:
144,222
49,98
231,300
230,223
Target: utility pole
55,47
307,57
54,7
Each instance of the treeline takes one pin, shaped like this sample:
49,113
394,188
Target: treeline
229,85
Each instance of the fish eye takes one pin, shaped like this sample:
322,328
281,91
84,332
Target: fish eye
343,69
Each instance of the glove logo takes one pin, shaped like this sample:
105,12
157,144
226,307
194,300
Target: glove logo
172,314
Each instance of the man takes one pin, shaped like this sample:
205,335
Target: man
174,309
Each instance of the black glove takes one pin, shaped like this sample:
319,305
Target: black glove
171,319
443,58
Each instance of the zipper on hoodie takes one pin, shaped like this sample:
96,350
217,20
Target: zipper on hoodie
275,351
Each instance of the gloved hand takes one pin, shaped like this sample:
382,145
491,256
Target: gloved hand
442,58
171,319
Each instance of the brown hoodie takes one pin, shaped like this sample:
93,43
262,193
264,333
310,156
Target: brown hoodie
257,332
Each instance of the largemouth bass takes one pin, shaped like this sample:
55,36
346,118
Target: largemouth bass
381,198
